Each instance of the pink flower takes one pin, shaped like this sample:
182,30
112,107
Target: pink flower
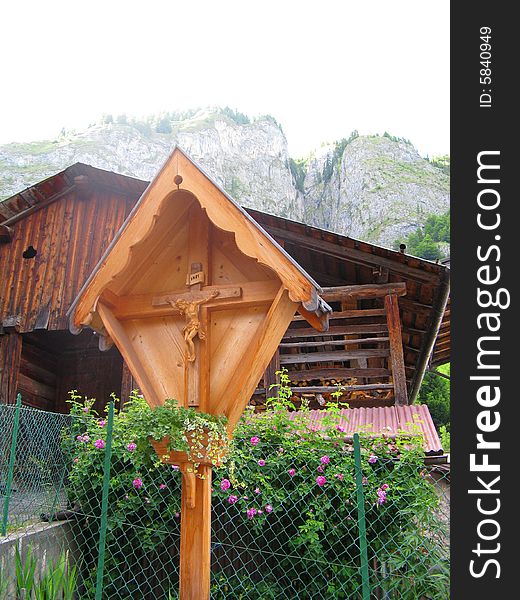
177,515
373,458
137,483
339,476
268,508
254,440
163,486
292,472
175,467
325,460
102,423
232,499
251,513
86,438
99,444
85,409
76,460
320,480
341,428
320,469
257,490
261,462
225,484
364,480
131,446
381,494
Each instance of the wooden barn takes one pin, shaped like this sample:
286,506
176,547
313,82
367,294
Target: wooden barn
390,321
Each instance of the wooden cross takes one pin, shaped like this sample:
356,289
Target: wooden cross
189,304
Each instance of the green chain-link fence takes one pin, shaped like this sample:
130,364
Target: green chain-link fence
294,516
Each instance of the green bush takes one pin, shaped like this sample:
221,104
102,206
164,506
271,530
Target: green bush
425,241
284,510
435,392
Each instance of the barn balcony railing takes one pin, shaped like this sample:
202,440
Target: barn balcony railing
361,354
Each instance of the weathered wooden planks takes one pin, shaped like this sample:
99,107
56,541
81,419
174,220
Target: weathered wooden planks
396,349
316,357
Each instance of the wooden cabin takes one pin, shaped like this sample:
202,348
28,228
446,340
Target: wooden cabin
390,321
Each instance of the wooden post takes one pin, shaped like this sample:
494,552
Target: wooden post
195,559
10,356
190,299
270,376
396,349
127,383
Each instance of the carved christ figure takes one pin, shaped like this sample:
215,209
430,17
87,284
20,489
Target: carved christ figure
190,310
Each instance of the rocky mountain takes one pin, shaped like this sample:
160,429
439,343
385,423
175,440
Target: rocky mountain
375,188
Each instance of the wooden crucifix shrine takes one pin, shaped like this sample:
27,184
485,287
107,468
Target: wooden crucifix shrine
197,297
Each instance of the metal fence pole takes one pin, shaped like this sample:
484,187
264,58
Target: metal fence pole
361,520
104,503
10,471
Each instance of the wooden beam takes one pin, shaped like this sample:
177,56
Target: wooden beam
338,330
142,305
127,383
444,335
270,376
363,292
351,314
338,373
37,206
351,254
373,340
441,359
262,347
396,349
343,388
316,357
415,307
413,330
195,545
442,345
118,334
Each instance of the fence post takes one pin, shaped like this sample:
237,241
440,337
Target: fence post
16,426
361,520
104,503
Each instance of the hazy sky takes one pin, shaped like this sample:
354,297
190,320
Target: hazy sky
322,69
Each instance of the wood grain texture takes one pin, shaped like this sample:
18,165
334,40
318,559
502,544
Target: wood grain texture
195,546
396,349
360,292
260,349
131,251
317,357
119,335
10,355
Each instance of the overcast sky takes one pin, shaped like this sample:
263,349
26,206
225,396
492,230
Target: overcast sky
322,69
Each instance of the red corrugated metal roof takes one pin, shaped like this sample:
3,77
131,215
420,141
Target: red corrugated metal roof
390,420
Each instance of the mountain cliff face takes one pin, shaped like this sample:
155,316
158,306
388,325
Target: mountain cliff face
373,188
